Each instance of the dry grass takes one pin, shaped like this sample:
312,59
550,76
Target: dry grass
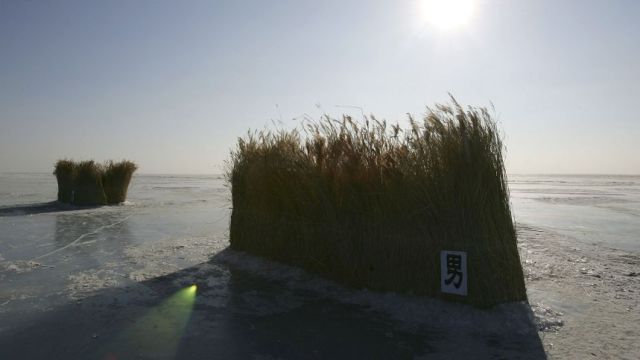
90,183
372,205
65,172
116,179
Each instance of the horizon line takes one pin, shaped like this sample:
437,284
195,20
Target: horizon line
214,174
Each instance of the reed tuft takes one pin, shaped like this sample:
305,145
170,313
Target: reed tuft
91,183
371,205
65,172
115,179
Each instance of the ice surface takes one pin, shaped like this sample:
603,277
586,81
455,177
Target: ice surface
67,274
598,209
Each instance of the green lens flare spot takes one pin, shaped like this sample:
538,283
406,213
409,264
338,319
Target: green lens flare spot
159,331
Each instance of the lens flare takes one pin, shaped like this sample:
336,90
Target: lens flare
159,331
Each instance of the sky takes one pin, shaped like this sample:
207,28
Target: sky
171,85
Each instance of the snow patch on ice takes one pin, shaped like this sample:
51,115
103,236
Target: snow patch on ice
157,259
87,283
19,266
546,318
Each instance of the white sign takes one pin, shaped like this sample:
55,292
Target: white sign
453,272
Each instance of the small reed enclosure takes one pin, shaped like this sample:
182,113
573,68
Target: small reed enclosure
90,183
371,205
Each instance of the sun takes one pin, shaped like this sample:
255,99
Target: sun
447,14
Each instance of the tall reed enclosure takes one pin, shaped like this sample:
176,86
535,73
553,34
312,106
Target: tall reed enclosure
90,183
371,205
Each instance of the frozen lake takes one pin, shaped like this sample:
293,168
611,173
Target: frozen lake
596,209
96,282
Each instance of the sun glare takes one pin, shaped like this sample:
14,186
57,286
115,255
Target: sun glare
447,14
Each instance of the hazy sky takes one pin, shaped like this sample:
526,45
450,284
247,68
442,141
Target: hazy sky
172,84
